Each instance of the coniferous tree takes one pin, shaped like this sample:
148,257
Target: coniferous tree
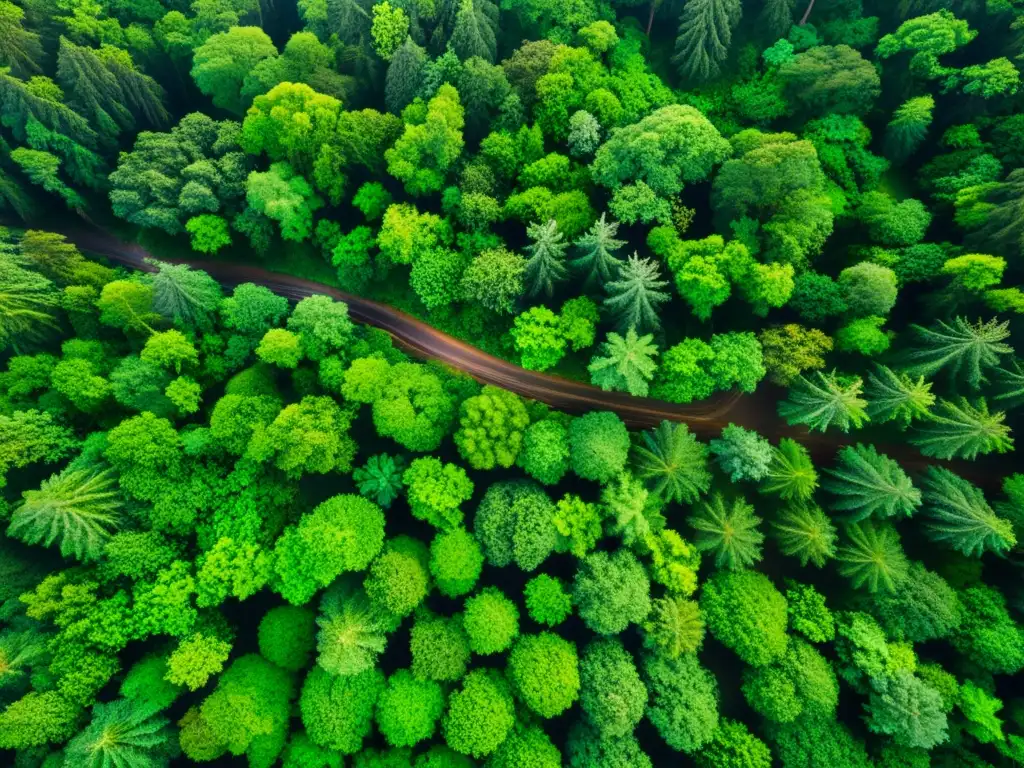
776,18
960,515
671,460
28,304
674,626
963,430
635,294
873,557
546,265
908,709
122,733
792,475
806,533
109,89
352,632
1010,381
729,531
868,483
405,76
597,247
897,397
628,363
474,30
79,509
185,296
20,48
705,34
962,349
824,401
908,127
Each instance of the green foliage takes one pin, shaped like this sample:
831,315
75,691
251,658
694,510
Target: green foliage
872,557
337,712
747,614
792,474
286,636
897,397
546,265
962,429
598,446
674,627
456,561
729,531
408,710
808,613
962,349
544,673
436,491
480,714
491,622
611,591
425,152
636,294
545,454
547,602
380,479
742,454
515,523
825,400
628,363
868,289
870,484
672,462
907,709
958,514
439,647
684,700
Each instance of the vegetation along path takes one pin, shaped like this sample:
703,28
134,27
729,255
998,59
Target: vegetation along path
706,418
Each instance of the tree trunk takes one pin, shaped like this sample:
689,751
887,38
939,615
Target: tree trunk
650,18
807,13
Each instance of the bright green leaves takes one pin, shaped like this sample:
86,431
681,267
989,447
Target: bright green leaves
423,155
729,530
389,29
870,484
824,401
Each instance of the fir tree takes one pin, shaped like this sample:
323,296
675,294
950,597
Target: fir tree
185,296
597,247
1010,381
635,295
672,462
792,475
729,531
962,349
960,515
123,733
806,533
405,75
824,401
28,304
776,18
908,127
963,430
868,483
474,31
873,557
20,49
546,265
628,363
352,633
77,508
705,34
897,397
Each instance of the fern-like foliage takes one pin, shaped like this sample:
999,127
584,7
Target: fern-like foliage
873,557
634,296
546,265
352,633
628,364
380,479
123,734
792,475
78,508
961,517
806,533
729,531
962,349
674,627
963,430
824,401
1010,381
868,483
633,513
672,462
185,296
897,397
597,249
705,33
18,652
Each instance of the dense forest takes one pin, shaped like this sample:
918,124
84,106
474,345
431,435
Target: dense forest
241,530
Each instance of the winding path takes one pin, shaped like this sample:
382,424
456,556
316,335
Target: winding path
706,419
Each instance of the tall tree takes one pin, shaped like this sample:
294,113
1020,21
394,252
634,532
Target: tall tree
960,515
908,127
673,462
705,34
776,18
870,484
546,265
77,508
222,63
824,401
405,75
20,49
28,304
729,530
105,86
897,397
597,247
185,296
873,557
124,732
636,294
474,32
806,533
792,475
962,349
963,429
628,363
